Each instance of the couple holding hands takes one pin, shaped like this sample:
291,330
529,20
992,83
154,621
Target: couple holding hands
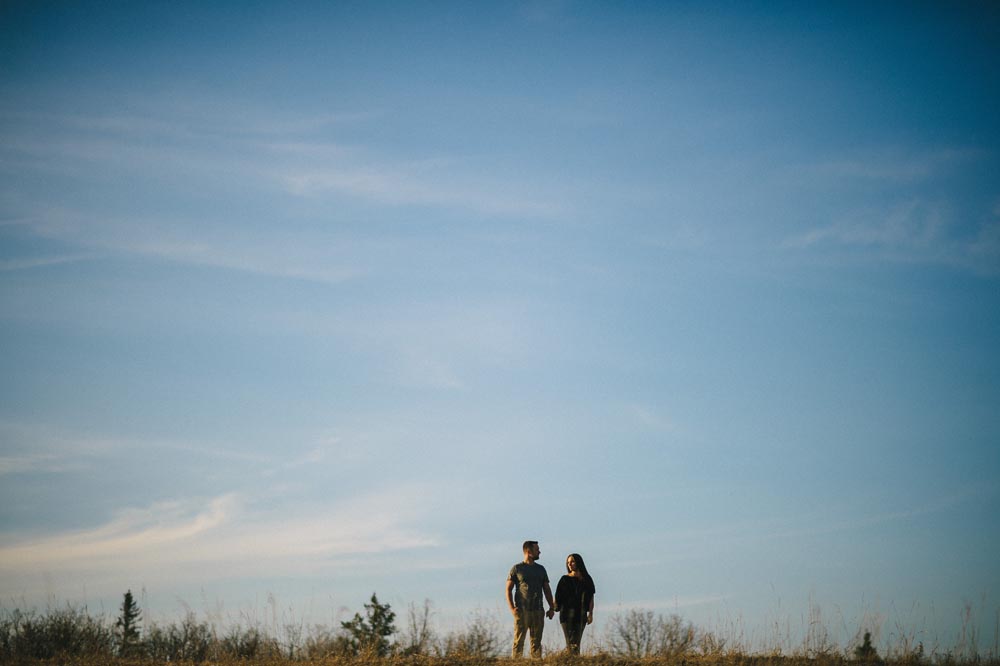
527,582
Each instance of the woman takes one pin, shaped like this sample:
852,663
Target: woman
575,602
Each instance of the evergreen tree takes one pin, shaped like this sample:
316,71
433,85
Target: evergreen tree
127,626
370,634
866,651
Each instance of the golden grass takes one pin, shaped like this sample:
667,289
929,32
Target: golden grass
557,659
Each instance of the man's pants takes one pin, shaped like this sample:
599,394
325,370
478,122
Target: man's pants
526,621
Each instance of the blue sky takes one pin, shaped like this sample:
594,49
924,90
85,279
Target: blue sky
309,301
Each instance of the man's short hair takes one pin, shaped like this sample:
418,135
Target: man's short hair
527,546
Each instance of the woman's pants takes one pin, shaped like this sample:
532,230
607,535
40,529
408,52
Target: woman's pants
573,631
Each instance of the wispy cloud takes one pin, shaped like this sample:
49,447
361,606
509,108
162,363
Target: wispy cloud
280,152
650,417
278,253
908,214
426,184
38,462
287,159
185,118
890,167
40,447
912,231
133,532
37,447
9,265
984,248
222,537
913,224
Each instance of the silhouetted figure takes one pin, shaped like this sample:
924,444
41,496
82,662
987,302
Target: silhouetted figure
575,602
526,583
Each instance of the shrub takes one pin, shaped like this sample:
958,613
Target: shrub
641,634
322,643
419,634
190,641
248,643
479,639
66,631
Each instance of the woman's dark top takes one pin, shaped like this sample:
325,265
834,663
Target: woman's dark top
573,597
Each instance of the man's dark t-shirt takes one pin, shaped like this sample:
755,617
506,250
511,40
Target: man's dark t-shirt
528,581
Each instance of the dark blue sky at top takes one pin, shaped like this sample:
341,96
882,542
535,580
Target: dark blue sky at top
930,63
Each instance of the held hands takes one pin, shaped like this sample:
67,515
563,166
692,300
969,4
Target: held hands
590,617
551,612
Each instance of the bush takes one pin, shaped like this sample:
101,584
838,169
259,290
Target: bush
419,634
249,643
323,643
479,639
641,634
190,641
62,632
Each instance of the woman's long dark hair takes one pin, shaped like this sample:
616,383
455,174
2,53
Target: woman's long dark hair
580,565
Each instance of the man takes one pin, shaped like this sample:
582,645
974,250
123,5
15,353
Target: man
528,582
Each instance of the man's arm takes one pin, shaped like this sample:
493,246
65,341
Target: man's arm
510,600
548,597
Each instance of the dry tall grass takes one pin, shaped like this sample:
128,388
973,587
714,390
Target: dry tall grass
70,636
551,660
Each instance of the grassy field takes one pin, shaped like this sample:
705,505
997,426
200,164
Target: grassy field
553,660
69,635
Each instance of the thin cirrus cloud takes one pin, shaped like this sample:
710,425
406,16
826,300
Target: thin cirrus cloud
899,169
915,231
185,119
278,163
397,185
40,447
198,123
37,462
11,265
132,533
275,254
913,224
297,167
651,418
224,535
37,447
912,219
